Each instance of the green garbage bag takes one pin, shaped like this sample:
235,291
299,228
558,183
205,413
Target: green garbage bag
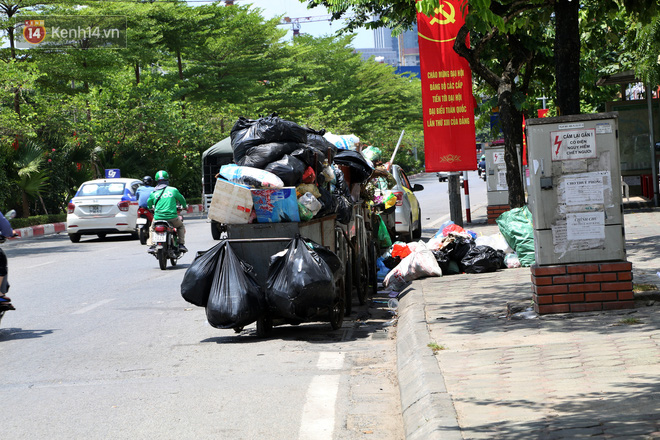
304,212
518,230
372,153
384,239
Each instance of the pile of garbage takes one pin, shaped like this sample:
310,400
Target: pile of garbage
291,173
454,250
228,289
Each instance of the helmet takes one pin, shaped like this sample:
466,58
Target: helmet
483,157
147,180
162,175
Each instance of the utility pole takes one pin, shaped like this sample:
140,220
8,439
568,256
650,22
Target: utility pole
455,208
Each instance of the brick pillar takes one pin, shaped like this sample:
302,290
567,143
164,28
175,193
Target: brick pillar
582,287
495,211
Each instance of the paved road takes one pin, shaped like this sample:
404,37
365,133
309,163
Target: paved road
103,346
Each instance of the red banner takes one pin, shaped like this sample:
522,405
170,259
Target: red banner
449,139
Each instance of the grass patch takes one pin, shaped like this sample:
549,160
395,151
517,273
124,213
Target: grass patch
630,321
637,288
435,347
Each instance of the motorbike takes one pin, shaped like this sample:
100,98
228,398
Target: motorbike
144,219
3,288
166,241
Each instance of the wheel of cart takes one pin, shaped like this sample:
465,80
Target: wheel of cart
345,253
373,270
360,246
339,307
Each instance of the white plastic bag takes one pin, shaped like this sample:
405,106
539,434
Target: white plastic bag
511,260
345,142
496,241
420,263
310,202
253,177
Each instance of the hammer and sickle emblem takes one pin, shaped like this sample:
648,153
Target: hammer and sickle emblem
449,17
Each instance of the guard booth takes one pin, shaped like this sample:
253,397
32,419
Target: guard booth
576,204
497,188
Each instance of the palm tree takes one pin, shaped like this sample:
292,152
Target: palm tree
28,161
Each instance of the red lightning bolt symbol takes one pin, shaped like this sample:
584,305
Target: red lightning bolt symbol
558,144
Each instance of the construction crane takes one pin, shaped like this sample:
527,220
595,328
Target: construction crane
295,22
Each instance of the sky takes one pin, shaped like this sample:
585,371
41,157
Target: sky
296,9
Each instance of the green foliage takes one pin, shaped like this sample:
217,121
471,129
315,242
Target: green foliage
18,223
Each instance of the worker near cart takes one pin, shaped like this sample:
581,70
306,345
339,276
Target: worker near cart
163,201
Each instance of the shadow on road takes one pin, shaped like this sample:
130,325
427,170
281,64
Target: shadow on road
7,334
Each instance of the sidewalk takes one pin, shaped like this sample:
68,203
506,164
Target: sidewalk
55,228
561,376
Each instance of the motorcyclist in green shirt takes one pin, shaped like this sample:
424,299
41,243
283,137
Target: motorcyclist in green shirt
163,201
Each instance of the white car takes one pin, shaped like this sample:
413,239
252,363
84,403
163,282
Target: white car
103,206
407,215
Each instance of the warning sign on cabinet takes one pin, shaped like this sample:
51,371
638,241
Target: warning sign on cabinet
573,144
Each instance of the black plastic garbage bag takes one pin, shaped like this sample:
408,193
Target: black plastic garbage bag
344,209
236,298
360,169
316,140
341,187
328,203
299,281
329,257
247,133
443,260
289,169
482,259
310,157
458,248
260,156
197,281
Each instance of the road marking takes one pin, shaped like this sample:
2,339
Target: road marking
92,306
330,361
318,416
38,265
437,222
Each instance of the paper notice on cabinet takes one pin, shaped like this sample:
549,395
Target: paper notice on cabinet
585,226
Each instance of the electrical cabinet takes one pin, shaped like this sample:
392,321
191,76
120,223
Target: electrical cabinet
575,188
497,188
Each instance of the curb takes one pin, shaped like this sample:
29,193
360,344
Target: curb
428,410
55,228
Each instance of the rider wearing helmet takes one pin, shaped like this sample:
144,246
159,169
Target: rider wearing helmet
7,231
144,191
163,200
482,167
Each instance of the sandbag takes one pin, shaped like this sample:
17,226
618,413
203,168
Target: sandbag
197,281
236,299
517,228
248,133
260,156
289,169
299,281
482,259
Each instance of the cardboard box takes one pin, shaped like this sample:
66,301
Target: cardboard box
276,205
231,204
